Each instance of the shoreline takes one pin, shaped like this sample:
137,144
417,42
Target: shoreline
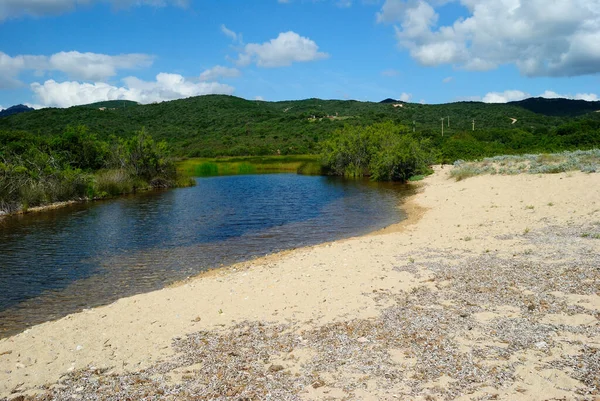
462,247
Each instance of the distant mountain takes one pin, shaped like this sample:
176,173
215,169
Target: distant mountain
558,107
20,108
389,100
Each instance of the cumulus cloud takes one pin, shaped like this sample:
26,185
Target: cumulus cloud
287,48
516,95
38,8
405,97
217,72
165,87
505,97
557,38
259,98
80,66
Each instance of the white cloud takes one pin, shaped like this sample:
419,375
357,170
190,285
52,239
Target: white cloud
165,87
447,80
259,98
516,95
557,38
93,66
38,8
390,73
219,72
504,97
1,107
287,48
84,66
229,33
590,97
405,97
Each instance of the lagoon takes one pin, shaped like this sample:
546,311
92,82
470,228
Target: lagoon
62,261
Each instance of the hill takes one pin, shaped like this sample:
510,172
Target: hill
20,108
216,125
558,107
111,104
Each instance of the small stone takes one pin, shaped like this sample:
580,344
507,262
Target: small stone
275,368
79,348
318,383
541,345
362,340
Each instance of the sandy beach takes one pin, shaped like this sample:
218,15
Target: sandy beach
490,290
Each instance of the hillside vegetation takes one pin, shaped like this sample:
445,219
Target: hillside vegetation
218,125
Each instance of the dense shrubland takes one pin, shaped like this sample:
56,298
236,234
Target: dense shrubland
384,152
215,125
37,170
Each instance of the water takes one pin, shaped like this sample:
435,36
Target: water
58,262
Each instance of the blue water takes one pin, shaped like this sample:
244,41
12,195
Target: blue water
57,262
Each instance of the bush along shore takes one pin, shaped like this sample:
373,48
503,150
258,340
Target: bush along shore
75,166
383,152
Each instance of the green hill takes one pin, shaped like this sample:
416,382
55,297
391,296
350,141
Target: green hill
215,125
111,104
558,107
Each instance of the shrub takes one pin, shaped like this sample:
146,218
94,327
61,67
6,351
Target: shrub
384,151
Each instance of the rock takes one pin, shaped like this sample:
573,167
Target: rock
541,345
275,368
318,383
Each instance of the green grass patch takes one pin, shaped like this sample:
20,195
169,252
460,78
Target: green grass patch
207,167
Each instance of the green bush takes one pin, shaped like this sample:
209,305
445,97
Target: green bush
384,151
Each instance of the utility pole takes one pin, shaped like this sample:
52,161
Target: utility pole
448,121
473,125
414,126
442,126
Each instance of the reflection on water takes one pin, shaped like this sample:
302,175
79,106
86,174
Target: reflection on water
60,261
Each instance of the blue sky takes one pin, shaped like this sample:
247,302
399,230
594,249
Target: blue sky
59,53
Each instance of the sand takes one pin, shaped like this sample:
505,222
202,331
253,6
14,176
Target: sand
490,290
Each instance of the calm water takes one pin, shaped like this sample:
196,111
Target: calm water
58,262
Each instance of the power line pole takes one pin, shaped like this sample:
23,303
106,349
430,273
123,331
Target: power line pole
473,125
448,121
414,126
443,126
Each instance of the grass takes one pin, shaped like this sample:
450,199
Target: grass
587,161
206,167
